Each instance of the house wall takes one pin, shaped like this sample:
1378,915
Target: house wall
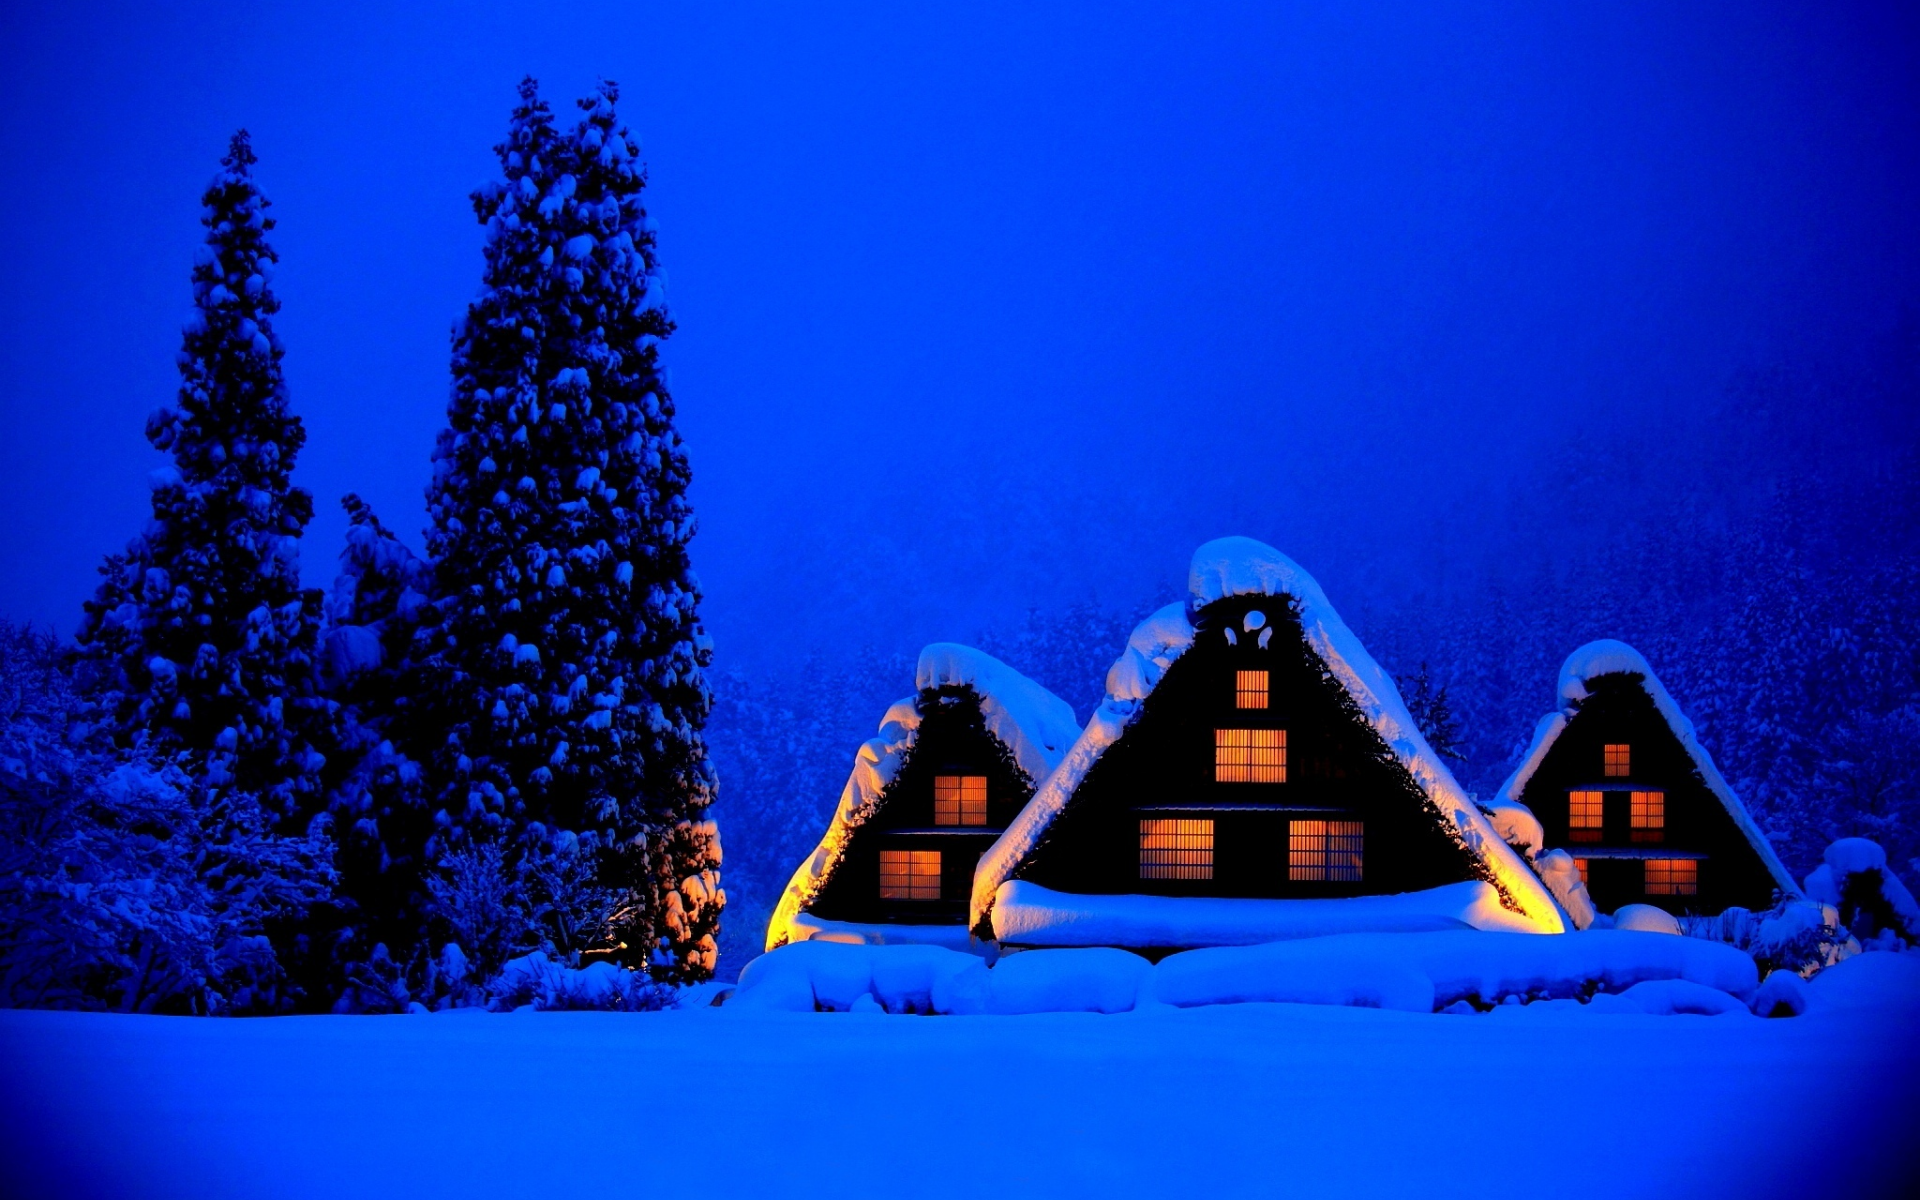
952,740
1698,827
1163,767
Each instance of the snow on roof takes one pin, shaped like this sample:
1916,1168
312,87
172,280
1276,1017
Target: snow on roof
1239,566
1035,725
1610,657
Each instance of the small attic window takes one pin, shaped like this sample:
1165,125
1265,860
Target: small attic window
1616,760
1673,877
1176,849
1250,689
959,799
1328,850
1649,816
1250,755
909,874
1586,812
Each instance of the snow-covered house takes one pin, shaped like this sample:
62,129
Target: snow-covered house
952,764
1251,775
1617,779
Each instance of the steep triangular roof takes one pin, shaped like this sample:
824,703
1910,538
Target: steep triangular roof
1239,566
1610,657
1035,725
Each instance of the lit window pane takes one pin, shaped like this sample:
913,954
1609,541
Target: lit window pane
1649,814
1176,849
1673,877
1250,689
1586,812
1581,865
909,874
959,799
1250,755
1329,850
1616,759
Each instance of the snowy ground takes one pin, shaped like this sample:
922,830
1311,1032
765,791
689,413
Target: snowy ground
1542,1101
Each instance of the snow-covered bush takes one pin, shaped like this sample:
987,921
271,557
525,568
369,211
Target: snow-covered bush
1872,902
537,980
1794,935
124,882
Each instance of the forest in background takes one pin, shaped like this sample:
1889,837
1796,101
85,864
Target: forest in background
1763,551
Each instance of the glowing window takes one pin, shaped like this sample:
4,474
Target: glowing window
1649,816
1250,755
1325,849
1250,689
1581,864
1616,759
959,799
1176,849
909,874
1585,814
1673,877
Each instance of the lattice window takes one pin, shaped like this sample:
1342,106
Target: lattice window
959,799
1673,877
909,874
1581,865
1649,816
1325,850
1616,760
1250,689
1586,812
1176,849
1250,755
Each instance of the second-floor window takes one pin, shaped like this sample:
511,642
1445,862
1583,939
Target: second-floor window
959,799
1250,755
1616,760
1250,689
909,874
1648,816
1586,812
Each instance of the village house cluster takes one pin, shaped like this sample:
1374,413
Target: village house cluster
1252,775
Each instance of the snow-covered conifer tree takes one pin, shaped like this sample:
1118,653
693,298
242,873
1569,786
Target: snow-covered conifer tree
200,635
568,652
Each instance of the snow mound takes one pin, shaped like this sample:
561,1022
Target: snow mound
1680,997
1031,915
1645,918
1610,657
1867,981
832,976
1561,874
1036,726
1093,980
1333,971
1239,566
1781,994
808,928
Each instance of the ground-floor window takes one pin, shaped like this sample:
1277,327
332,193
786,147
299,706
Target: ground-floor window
1673,877
1581,865
909,874
1176,849
1329,850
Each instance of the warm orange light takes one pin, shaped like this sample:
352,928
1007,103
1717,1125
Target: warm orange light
1673,877
909,874
1176,849
1250,755
1250,689
1329,850
1649,816
1616,759
959,799
1581,865
1586,812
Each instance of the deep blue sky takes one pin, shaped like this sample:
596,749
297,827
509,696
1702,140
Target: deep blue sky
979,306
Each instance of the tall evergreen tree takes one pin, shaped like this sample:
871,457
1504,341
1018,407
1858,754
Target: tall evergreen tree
569,652
200,635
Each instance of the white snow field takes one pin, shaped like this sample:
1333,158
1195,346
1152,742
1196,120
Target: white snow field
1552,1099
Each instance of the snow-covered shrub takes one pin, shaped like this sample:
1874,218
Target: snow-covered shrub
477,899
1794,935
536,980
124,882
1873,903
